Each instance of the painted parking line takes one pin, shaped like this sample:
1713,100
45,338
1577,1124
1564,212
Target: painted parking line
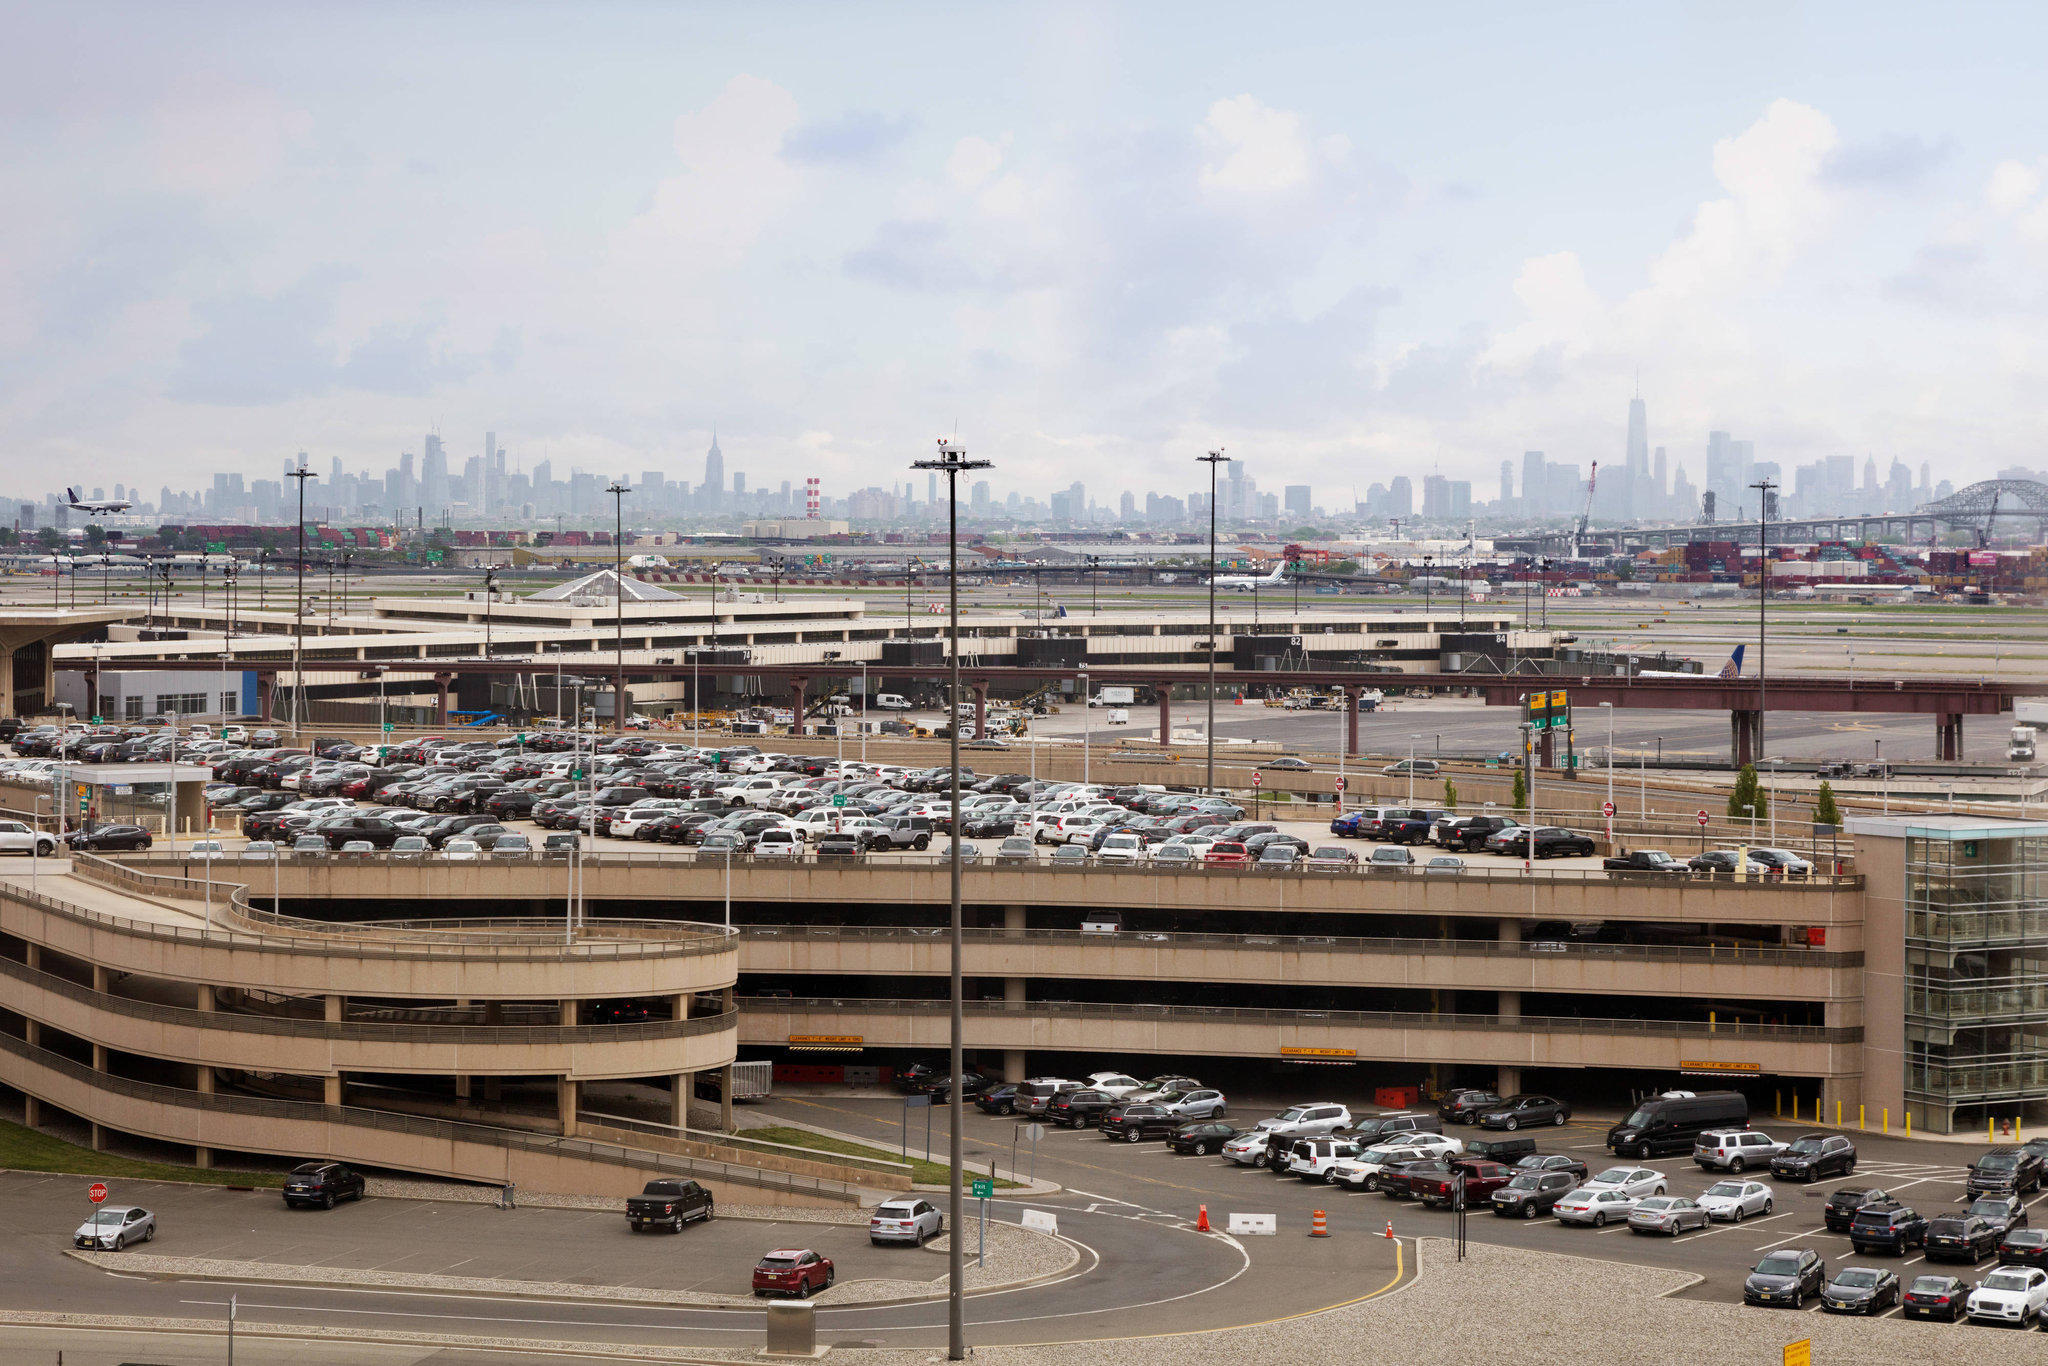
1805,1233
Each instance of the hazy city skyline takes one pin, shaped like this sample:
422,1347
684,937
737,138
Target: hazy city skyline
1098,243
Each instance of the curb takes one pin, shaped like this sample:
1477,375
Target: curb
92,1323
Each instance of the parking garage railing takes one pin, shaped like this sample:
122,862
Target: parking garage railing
452,1131
1403,1019
1542,950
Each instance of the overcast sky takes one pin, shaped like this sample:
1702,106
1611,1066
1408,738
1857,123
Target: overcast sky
1344,241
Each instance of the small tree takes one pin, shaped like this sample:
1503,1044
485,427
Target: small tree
1825,812
1450,795
1521,792
1748,793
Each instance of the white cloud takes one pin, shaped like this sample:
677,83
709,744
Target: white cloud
2012,186
973,161
1254,149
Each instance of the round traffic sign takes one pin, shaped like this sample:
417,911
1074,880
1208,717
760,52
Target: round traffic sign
1033,1132
97,1192
1256,780
1340,782
1701,818
1607,808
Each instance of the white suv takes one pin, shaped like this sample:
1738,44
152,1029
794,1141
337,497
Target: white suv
1734,1150
1313,1158
1121,849
1304,1121
17,838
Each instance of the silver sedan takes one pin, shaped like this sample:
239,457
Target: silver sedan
1734,1201
1666,1214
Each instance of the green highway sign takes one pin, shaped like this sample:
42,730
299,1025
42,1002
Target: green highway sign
99,720
838,799
387,728
984,1190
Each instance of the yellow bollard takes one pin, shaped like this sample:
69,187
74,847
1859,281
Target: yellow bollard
1710,1022
1838,1114
1859,1118
1909,1124
1778,1106
1887,1119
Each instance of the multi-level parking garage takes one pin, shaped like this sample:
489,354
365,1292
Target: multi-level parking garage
1862,989
152,1005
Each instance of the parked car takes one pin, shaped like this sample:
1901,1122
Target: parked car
1934,1297
1546,841
1078,1109
1890,1227
322,1184
670,1204
1735,1150
17,838
1201,1138
2003,1212
796,1271
1133,1121
110,837
910,1219
1860,1290
113,1227
1643,861
1670,1215
2024,1247
1809,1157
1586,1205
1734,1201
1036,1094
1840,1210
1640,1182
1312,1159
998,1100
1201,1102
1529,1194
1788,1277
1553,1162
2014,1295
1524,1111
1960,1238
2004,1169
1462,1104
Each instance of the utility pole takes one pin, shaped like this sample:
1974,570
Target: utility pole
1212,460
1764,488
952,461
618,491
302,474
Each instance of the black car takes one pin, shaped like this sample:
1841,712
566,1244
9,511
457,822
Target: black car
1788,1276
2024,1247
1860,1290
998,1100
322,1183
1202,1137
940,1084
1813,1156
1891,1227
1531,1194
1132,1121
1840,1210
1461,1105
1553,1162
1934,1297
2003,1212
101,838
1960,1238
840,848
2004,1169
1522,1112
1548,841
912,1078
1078,1109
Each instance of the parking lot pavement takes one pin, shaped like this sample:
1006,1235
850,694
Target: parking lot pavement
1925,1175
420,1237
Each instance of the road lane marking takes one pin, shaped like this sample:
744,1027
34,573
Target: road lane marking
1804,1233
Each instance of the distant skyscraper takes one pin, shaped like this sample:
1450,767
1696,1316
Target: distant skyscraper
1296,500
434,475
1533,483
1400,497
1507,484
712,491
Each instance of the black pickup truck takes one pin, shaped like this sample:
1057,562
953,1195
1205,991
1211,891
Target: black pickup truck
668,1204
1644,861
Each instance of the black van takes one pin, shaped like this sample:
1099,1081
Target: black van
1509,1149
1669,1123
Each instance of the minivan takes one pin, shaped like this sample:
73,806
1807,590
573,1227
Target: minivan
889,701
1670,1123
1033,1096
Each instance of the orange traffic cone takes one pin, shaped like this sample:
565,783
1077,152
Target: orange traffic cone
1202,1220
1390,1228
1319,1227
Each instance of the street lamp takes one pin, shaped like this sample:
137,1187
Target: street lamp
302,474
1411,767
952,461
1771,795
1086,729
618,491
1764,488
1212,460
1608,707
490,596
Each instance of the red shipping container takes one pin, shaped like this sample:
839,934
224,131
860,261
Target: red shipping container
1397,1097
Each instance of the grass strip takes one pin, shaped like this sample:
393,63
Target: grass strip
32,1150
922,1172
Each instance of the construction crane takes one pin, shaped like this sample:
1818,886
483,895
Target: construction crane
1990,518
1585,512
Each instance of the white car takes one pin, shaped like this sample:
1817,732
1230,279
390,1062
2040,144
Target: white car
1635,1181
1114,1084
461,850
17,838
1312,1159
1121,849
1596,1207
779,844
113,1227
1304,1121
2011,1294
1362,1172
908,1220
1247,1149
628,824
1735,1150
1733,1201
1079,830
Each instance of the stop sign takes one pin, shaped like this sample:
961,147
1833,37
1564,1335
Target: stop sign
1340,783
1255,780
1607,808
96,1192
1701,818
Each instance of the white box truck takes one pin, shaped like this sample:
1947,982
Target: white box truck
1113,697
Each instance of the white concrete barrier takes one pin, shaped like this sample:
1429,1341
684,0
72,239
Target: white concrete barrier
1045,1221
1254,1223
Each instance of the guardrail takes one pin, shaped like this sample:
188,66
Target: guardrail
872,1164
442,1129
1546,950
1403,1019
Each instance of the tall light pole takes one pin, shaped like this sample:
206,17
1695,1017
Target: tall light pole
1608,707
1085,727
618,491
490,596
1764,488
952,461
1212,460
302,474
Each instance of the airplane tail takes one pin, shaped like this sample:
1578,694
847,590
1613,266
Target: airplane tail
1733,668
70,494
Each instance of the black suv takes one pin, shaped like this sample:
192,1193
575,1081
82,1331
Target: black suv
1461,1105
322,1183
1078,1109
1786,1277
1471,833
1133,1122
374,830
1840,1210
1812,1156
1961,1238
2005,1170
1529,1194
2003,1212
1892,1228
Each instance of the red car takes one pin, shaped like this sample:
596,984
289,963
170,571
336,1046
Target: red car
1227,854
792,1271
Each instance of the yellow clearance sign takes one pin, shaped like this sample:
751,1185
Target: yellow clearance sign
1799,1353
1720,1067
839,1039
1286,1052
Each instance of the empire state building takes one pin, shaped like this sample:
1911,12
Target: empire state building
712,492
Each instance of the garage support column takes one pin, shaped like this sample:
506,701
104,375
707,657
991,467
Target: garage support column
679,1099
980,710
331,1089
441,684
31,1111
462,1088
102,979
1948,736
725,1101
799,689
333,1005
1510,1008
1745,736
32,955
266,695
1013,991
682,1005
568,1014
203,999
7,678
1350,723
1165,691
